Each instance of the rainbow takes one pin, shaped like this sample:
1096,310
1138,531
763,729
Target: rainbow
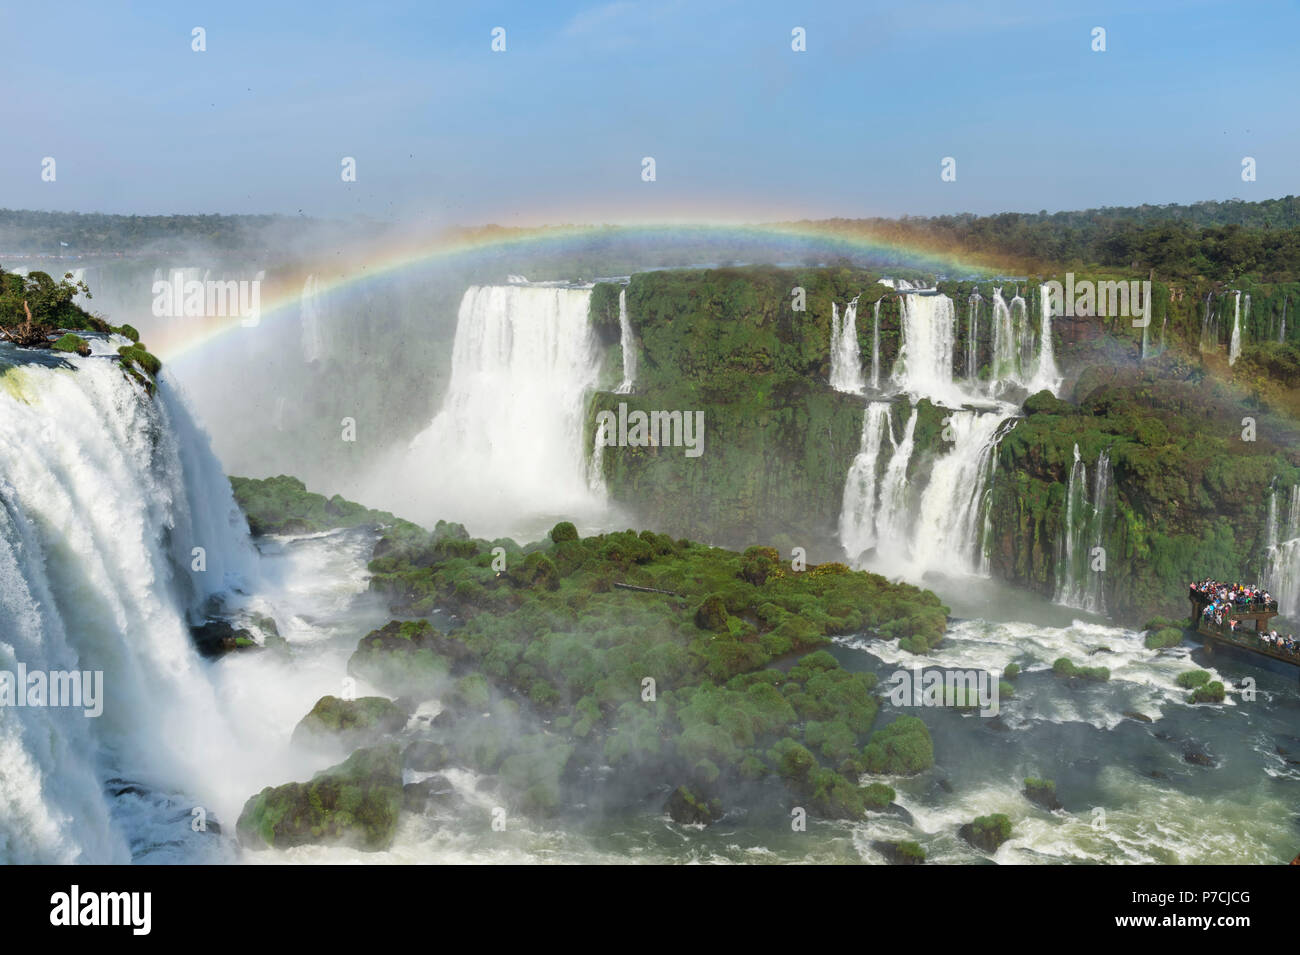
378,260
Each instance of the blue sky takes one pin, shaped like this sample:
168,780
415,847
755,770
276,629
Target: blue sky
554,129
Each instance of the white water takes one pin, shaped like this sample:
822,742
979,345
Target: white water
929,332
627,342
1079,585
1234,346
313,341
972,337
846,357
875,345
1282,561
907,526
505,454
104,494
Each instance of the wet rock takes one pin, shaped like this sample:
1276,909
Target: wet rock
424,756
434,791
1198,758
900,853
689,809
215,638
349,723
1139,717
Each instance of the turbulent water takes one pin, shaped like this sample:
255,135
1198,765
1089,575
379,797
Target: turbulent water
905,516
104,497
105,493
1234,344
508,440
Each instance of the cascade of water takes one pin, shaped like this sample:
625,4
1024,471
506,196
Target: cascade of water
846,358
1234,346
972,336
875,346
891,517
1270,526
313,342
1047,375
508,442
1281,335
924,364
1079,577
627,342
857,525
118,530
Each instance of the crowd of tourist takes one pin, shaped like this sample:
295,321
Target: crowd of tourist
1223,600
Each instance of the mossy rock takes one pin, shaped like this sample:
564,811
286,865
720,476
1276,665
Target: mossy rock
73,343
712,614
901,853
403,658
903,748
1209,693
687,808
351,723
355,804
1041,792
1192,679
987,833
1164,638
1064,667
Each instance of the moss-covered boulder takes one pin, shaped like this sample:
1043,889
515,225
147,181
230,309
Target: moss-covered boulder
1042,792
712,614
71,342
348,723
403,658
355,804
1213,692
1163,638
903,748
987,833
901,853
1066,668
685,807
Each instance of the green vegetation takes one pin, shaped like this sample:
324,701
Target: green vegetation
1193,679
1066,668
349,722
551,633
283,505
355,803
71,342
1042,792
1207,693
1163,638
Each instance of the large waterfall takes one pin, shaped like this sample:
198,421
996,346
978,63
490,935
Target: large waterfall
910,516
117,530
507,445
1282,561
929,332
846,356
910,523
1080,561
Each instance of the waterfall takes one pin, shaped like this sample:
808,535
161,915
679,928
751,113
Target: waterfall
1078,584
1209,324
105,493
949,529
1281,335
857,525
1234,347
1282,561
972,337
627,342
507,445
1048,376
1004,338
313,344
944,525
875,345
846,358
925,357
